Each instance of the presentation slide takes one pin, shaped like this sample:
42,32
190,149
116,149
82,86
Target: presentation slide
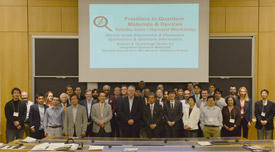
147,36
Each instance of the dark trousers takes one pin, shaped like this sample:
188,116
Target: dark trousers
153,133
114,127
181,130
130,131
14,133
234,133
117,127
171,132
244,128
74,135
102,133
89,132
38,134
191,133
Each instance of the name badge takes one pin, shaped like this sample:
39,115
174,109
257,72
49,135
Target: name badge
15,114
263,114
232,120
242,112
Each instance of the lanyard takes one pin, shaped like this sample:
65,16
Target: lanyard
230,113
14,107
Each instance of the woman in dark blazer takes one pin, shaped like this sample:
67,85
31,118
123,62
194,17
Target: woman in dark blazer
245,105
231,118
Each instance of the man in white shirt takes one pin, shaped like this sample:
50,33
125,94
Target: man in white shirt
25,99
219,100
184,102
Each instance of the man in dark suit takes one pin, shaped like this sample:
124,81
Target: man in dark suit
88,103
114,102
159,98
129,114
172,115
264,112
36,117
15,112
152,116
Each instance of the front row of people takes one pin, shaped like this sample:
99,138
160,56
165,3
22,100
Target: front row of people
135,115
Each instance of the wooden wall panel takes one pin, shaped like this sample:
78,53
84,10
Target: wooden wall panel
13,2
45,19
52,3
234,3
241,19
14,67
266,75
60,17
217,19
70,19
267,3
13,18
267,19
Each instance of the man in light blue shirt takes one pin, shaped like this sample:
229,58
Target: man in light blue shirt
211,119
53,119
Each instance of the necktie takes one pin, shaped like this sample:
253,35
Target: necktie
172,105
101,109
152,110
64,107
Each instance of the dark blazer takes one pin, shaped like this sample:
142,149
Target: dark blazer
34,116
113,102
269,114
84,103
124,113
9,114
160,102
157,115
247,109
235,114
82,97
173,114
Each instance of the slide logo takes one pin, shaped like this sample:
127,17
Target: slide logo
101,21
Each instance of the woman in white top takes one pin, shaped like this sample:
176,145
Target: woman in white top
191,118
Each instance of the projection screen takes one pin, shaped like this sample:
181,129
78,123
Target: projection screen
152,40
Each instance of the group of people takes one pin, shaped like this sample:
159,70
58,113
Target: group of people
139,112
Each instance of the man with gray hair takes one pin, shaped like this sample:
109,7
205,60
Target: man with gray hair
106,89
25,99
64,101
129,114
88,103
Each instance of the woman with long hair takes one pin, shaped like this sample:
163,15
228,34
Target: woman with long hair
245,104
49,98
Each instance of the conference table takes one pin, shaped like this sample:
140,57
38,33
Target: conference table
154,144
